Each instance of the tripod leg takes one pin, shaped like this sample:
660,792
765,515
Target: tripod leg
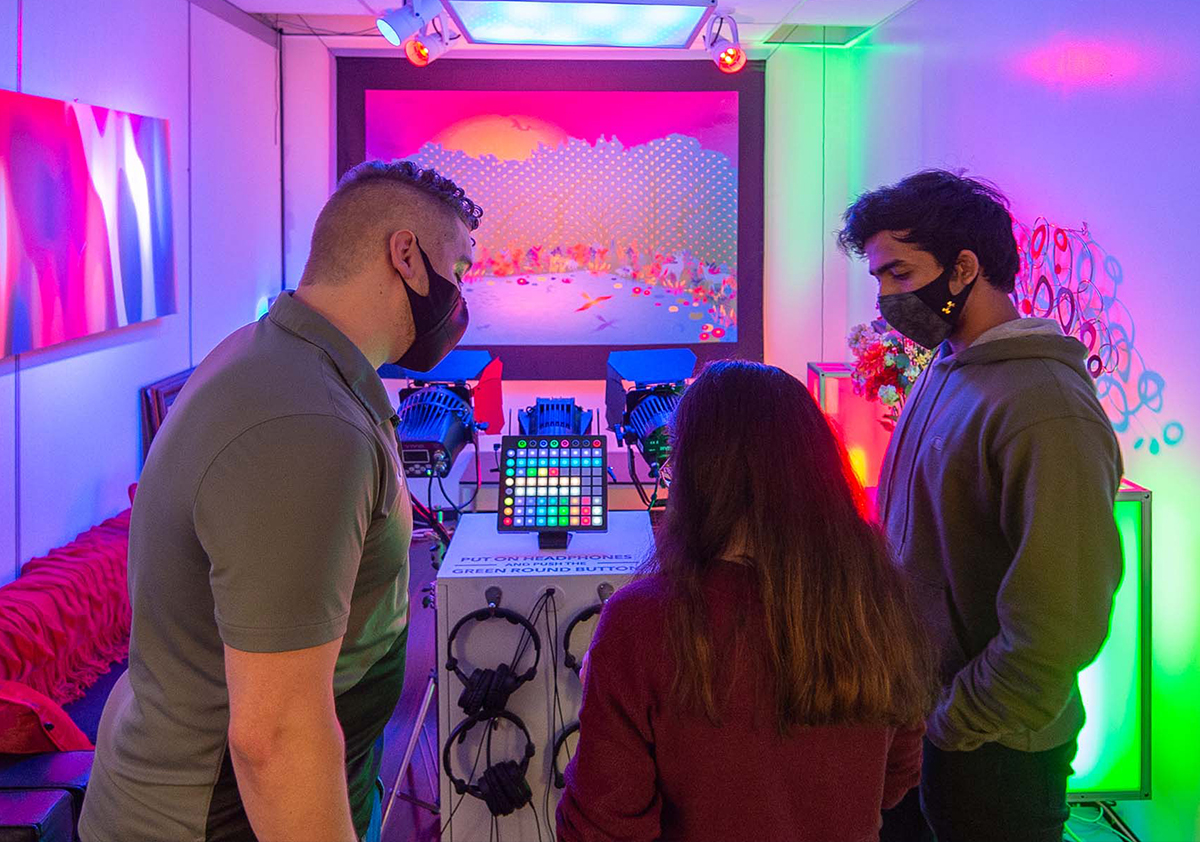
412,745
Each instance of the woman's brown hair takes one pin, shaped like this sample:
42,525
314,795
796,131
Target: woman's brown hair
757,471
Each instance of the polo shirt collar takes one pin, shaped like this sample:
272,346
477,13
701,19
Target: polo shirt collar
294,316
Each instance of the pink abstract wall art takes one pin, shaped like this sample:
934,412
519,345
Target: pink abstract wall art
86,242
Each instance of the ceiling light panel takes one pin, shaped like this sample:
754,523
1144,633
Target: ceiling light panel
573,24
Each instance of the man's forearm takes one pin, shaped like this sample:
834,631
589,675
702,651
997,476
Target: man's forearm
293,786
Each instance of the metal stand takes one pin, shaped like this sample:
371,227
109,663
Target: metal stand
408,755
553,540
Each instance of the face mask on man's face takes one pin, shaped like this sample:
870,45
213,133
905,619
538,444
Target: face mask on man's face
439,320
927,315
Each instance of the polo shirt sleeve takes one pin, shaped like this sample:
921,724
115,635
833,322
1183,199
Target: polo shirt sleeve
282,513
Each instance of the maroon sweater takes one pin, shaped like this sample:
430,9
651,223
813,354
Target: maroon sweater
645,770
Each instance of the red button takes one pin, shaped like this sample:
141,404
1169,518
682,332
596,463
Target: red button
508,521
554,472
587,501
587,521
596,444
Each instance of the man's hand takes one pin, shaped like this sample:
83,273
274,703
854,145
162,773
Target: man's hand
286,744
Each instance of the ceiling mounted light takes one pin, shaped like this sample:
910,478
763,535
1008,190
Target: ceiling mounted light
397,25
424,48
602,23
727,53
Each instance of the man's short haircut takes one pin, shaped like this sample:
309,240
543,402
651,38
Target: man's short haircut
370,200
943,213
428,181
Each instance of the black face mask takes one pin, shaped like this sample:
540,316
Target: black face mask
439,319
927,315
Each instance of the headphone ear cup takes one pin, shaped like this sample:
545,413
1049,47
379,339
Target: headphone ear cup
516,789
503,683
474,694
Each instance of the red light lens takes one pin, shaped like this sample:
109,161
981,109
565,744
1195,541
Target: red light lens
417,52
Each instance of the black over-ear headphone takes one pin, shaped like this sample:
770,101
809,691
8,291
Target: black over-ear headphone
560,779
573,663
502,786
487,690
605,590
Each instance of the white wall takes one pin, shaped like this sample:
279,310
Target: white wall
78,444
309,106
235,178
1080,111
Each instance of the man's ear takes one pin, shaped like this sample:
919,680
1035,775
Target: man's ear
966,269
405,258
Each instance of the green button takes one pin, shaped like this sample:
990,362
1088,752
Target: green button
520,444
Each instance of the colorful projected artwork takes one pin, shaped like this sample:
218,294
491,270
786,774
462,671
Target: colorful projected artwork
610,217
85,221
1066,275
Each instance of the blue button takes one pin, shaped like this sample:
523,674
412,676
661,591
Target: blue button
541,521
512,453
543,443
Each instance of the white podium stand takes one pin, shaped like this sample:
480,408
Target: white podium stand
480,558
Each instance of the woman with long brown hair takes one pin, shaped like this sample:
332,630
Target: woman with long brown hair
766,677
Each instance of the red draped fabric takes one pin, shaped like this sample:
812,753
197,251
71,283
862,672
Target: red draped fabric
65,620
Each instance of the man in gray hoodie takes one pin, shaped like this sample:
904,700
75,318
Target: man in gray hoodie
997,495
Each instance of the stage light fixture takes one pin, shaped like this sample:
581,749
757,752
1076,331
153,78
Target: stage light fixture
554,417
427,47
436,417
727,53
641,416
398,25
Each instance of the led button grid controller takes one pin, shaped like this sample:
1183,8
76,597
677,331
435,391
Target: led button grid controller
550,484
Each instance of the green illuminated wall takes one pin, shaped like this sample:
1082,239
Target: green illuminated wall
972,85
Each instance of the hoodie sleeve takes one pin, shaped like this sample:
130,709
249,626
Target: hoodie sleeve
1059,479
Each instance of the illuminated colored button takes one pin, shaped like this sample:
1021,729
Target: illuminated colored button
596,443
508,511
574,521
508,481
541,521
542,472
531,472
510,472
597,521
543,443
586,501
519,521
512,453
586,521
553,471
508,521
511,462
521,443
508,501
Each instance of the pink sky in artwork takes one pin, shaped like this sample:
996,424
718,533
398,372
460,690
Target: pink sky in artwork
510,124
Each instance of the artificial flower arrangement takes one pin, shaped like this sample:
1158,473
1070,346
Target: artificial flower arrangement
886,365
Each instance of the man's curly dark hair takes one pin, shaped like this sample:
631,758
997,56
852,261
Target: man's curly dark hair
428,181
943,213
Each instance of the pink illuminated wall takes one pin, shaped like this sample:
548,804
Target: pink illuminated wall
85,221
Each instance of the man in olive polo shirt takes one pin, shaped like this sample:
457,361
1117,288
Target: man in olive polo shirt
268,553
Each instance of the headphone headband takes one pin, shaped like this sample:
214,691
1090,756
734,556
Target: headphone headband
560,780
569,660
488,613
460,733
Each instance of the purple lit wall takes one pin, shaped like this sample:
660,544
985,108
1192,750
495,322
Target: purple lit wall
69,431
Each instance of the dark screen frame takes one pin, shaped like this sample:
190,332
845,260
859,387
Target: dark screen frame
356,75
